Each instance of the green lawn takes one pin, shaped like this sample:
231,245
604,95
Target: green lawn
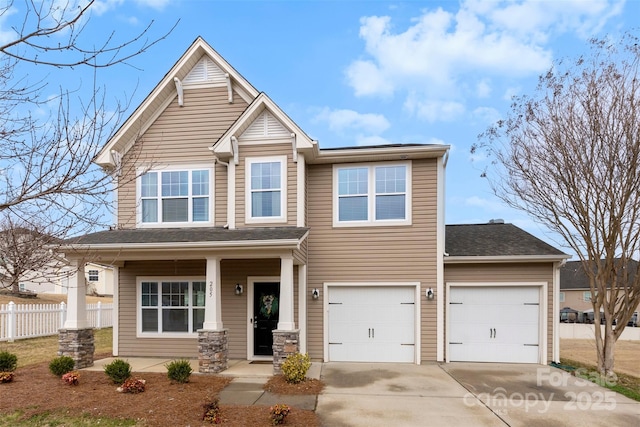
37,350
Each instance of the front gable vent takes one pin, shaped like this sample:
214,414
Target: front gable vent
265,126
205,71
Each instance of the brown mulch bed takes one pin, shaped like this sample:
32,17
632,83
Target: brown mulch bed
35,390
279,385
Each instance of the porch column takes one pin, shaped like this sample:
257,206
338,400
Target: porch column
75,339
286,321
213,351
286,338
77,298
213,305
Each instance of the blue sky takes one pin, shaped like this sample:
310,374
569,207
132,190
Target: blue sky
374,72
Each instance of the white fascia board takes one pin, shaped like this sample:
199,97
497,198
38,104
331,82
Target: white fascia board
198,47
382,153
281,244
503,259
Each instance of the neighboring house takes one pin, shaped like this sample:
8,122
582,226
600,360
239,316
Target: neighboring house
99,279
574,287
53,280
240,238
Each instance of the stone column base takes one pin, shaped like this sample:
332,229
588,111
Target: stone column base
284,344
213,351
77,344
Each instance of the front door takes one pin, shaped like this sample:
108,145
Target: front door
266,302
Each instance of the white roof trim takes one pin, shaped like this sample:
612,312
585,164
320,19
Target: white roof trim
286,243
503,258
199,47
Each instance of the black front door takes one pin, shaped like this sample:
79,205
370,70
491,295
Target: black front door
266,304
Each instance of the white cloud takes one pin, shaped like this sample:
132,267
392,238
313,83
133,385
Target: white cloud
483,88
433,110
487,114
349,120
440,49
154,4
6,36
511,92
492,206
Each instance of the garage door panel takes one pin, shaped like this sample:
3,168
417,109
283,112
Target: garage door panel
371,323
494,324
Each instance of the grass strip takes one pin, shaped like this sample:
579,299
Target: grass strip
627,385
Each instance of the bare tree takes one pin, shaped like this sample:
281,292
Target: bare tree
569,156
25,255
47,179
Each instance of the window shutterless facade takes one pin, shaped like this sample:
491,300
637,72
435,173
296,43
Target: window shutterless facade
266,189
372,194
175,197
170,307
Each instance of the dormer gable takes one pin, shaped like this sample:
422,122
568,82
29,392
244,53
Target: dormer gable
265,126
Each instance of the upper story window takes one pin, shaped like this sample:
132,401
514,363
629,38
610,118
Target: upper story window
586,296
93,275
175,196
266,189
372,194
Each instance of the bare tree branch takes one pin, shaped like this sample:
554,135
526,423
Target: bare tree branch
569,156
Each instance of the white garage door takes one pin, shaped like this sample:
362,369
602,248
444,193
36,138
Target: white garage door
494,324
371,324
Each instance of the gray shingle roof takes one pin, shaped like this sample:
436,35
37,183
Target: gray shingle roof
494,239
182,235
572,275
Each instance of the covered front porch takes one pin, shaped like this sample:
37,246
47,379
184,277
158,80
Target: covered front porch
214,300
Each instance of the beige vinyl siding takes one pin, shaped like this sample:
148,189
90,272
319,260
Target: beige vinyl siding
129,344
532,272
375,254
266,150
221,178
181,135
234,307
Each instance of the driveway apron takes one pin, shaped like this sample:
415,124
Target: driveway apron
466,394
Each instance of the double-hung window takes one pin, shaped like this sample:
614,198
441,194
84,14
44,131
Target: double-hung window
93,275
266,189
170,306
175,196
372,194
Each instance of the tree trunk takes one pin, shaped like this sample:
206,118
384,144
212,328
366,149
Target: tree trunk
606,351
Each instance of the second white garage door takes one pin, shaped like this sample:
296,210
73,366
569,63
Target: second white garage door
371,324
494,324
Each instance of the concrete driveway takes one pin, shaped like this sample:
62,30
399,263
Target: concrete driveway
466,394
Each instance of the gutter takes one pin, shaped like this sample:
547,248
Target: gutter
504,259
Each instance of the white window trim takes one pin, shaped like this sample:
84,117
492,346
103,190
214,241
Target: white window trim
248,219
372,222
189,168
159,279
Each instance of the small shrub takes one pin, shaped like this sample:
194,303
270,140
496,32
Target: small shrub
179,370
295,367
61,365
6,377
278,413
133,385
8,361
118,370
212,412
71,378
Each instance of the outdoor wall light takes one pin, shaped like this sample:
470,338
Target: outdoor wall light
429,294
239,289
315,293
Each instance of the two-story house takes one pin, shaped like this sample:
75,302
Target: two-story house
238,237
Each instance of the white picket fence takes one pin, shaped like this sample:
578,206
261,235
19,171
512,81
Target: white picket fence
19,321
